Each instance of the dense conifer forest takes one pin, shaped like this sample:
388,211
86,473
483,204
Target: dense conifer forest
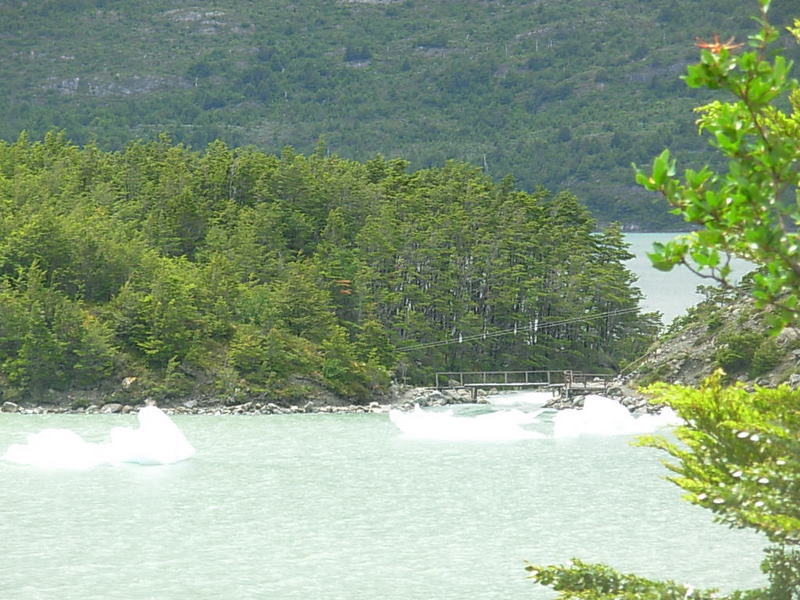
564,95
240,272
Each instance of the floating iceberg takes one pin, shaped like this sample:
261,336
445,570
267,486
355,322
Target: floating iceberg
519,399
603,416
157,441
497,426
599,416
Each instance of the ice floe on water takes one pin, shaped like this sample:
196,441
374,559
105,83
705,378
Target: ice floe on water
445,425
600,416
157,441
520,399
603,416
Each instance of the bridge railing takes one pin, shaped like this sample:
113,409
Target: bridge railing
578,378
565,378
470,378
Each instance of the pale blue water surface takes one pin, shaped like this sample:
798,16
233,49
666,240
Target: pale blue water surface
345,507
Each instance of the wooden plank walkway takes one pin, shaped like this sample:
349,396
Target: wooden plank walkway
565,382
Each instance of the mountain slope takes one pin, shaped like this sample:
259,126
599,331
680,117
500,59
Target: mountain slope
563,95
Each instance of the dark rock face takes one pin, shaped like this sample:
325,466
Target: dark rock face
724,332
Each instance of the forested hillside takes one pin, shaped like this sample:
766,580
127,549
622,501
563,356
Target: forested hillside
563,95
239,272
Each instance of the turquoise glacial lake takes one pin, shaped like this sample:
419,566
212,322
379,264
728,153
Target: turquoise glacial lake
347,507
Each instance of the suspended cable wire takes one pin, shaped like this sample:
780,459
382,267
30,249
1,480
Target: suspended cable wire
537,327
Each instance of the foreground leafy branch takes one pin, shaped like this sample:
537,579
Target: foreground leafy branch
586,581
751,211
738,453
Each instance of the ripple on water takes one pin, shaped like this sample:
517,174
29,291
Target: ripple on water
346,506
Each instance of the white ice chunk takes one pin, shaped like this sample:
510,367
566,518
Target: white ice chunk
157,441
504,425
603,416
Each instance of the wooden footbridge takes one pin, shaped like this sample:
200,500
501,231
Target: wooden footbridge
564,383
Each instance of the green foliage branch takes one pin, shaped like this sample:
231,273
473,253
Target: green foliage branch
752,209
737,454
586,581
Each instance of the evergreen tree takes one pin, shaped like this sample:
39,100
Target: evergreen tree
192,268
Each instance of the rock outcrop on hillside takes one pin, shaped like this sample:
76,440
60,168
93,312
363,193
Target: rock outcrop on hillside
724,331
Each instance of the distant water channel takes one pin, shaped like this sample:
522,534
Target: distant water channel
669,293
346,507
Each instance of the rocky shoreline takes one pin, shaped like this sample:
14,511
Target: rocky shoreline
619,390
400,398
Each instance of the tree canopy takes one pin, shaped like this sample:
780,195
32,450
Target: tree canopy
243,271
